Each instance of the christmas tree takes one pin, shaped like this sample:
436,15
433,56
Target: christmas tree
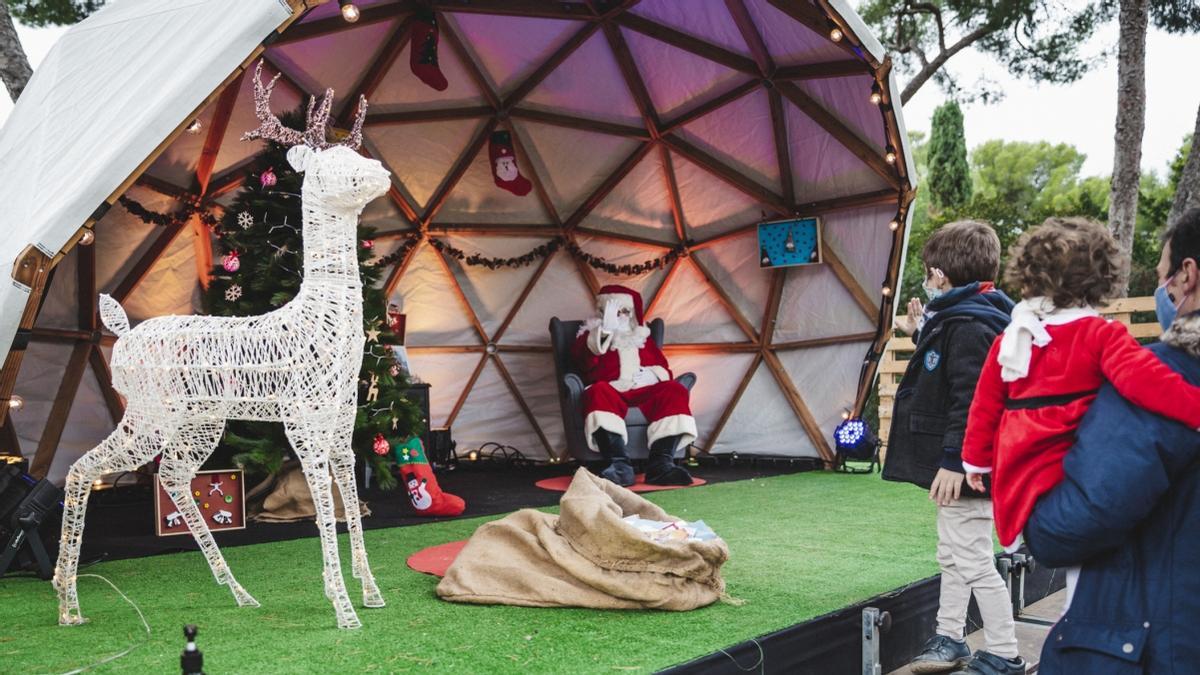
260,261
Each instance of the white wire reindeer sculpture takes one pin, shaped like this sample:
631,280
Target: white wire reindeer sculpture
184,376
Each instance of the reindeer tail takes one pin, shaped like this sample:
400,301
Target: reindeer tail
113,315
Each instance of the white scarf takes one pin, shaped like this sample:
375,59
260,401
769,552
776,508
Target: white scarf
1028,329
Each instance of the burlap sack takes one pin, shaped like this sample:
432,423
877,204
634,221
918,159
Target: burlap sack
585,557
284,497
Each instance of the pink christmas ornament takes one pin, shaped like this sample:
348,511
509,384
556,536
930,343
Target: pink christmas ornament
368,243
267,179
381,446
230,262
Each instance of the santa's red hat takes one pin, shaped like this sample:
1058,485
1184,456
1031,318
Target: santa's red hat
625,297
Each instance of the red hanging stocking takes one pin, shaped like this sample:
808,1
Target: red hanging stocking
423,58
422,486
504,164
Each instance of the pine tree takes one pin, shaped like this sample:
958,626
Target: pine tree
949,173
262,229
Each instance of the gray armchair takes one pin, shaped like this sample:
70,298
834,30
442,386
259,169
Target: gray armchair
570,394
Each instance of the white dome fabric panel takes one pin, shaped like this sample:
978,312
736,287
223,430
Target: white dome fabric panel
659,127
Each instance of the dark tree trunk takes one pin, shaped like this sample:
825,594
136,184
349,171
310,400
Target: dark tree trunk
14,65
1131,124
1187,195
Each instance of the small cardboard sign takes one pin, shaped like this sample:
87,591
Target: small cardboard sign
219,495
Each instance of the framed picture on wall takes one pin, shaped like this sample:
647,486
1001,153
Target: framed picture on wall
791,242
220,497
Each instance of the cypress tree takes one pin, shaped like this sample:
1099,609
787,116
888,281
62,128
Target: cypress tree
949,174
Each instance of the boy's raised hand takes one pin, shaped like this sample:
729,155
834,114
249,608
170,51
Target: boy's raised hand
908,323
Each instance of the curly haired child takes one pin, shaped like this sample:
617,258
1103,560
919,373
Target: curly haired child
1045,369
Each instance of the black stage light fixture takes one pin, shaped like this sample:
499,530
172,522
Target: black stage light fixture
25,503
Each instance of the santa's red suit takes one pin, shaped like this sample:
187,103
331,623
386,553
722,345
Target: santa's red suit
624,368
1021,424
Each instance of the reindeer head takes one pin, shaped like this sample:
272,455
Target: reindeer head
336,176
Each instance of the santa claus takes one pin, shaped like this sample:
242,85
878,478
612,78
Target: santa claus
624,368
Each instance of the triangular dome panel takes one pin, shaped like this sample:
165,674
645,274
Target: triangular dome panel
491,413
508,62
733,263
863,242
835,172
333,60
588,84
717,380
122,238
842,97
708,20
689,304
477,199
764,421
540,393
383,215
447,375
741,135
435,313
639,205
710,205
492,293
172,285
789,42
832,371
570,176
88,420
560,292
674,78
438,144
399,89
177,164
815,304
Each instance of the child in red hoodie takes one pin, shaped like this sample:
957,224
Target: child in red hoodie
1045,369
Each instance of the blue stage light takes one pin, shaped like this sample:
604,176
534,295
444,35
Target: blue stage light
854,439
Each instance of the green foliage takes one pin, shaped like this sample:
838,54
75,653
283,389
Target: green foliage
52,12
271,255
949,180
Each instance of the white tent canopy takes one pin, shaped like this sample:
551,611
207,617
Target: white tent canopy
645,127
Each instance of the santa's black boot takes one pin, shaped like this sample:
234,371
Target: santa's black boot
612,447
660,467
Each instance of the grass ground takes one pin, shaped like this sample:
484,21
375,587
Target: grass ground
801,545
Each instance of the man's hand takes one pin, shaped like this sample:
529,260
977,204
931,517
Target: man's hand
975,480
946,487
609,323
908,324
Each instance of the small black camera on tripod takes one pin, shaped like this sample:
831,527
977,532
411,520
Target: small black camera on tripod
191,662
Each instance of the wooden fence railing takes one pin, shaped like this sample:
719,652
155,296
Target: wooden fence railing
895,356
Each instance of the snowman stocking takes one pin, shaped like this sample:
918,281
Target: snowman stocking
423,490
423,58
504,164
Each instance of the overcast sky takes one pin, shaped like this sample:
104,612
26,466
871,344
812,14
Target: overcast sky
1082,114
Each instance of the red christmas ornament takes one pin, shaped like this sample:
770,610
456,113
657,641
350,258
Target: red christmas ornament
230,262
381,446
368,243
267,178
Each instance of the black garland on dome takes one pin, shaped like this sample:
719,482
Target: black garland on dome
625,270
477,260
187,209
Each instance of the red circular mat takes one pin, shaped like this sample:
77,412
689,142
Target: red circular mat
560,484
436,559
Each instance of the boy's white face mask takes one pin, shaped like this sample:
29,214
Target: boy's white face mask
933,284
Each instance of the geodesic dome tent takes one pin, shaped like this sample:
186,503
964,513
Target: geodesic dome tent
652,130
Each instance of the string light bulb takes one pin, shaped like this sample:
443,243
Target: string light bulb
890,155
15,402
835,33
887,291
350,11
894,224
87,238
876,94
194,127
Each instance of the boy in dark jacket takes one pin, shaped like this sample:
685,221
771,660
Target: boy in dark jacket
953,334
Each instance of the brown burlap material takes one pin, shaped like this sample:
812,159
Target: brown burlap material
285,498
585,557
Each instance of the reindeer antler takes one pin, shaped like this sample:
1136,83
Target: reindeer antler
317,123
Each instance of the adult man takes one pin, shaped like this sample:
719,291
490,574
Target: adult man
1129,509
623,367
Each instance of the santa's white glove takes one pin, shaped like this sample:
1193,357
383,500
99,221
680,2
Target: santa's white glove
610,322
644,377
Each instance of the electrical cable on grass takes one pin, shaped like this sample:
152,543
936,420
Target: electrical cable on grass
760,665
129,649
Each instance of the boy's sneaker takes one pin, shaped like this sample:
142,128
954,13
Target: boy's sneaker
941,654
986,663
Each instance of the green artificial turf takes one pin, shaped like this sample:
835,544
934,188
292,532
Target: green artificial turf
801,546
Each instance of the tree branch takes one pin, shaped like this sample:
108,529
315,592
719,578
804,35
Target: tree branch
942,57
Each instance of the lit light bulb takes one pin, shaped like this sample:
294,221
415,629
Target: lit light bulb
350,11
845,414
473,455
194,127
16,402
894,225
876,94
887,291
87,238
890,156
835,34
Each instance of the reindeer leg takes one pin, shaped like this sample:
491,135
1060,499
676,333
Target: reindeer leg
182,456
341,458
308,443
120,451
